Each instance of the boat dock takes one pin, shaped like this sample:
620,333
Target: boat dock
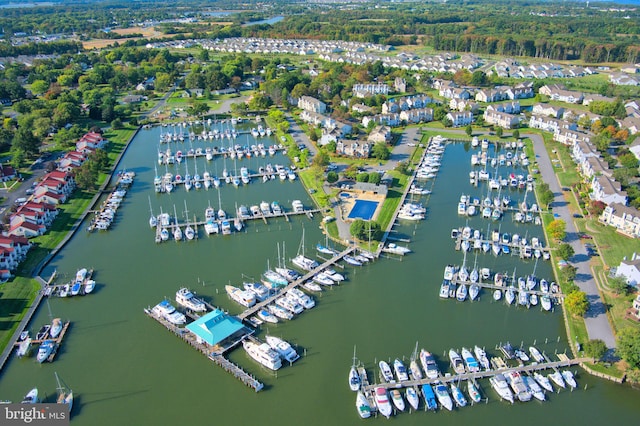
258,306
517,249
493,286
563,361
215,353
53,290
57,340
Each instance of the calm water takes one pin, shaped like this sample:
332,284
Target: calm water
125,368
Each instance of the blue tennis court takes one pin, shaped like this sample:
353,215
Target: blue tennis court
363,209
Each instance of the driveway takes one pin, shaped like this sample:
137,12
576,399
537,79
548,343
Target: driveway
598,326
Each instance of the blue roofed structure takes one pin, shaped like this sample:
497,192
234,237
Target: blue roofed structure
215,327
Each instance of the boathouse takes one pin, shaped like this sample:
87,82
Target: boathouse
217,328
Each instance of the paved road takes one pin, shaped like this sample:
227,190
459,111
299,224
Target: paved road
598,326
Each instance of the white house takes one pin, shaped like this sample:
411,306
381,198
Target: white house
311,104
630,271
459,119
625,220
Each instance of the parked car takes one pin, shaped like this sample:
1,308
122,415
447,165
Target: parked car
20,201
585,236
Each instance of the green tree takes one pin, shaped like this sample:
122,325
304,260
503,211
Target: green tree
332,177
25,141
116,124
362,177
577,303
380,151
516,134
628,346
565,251
499,132
557,229
446,121
374,177
596,349
545,195
403,167
468,130
321,159
86,176
618,284
628,160
259,101
38,87
365,230
17,158
163,81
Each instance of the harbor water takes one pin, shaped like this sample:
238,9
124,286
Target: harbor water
124,368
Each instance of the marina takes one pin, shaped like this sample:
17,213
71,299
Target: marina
147,357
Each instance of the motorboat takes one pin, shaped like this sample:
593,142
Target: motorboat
396,249
472,364
306,301
458,396
473,391
510,295
283,348
474,291
382,401
412,398
557,378
56,328
260,291
443,396
185,298
352,261
89,286
497,294
535,354
288,274
267,316
335,276
456,362
534,387
263,354
482,357
362,405
398,401
323,279
280,312
546,303
167,312
385,371
24,347
508,351
500,385
43,332
31,397
304,263
518,386
45,350
400,370
449,271
429,364
521,355
243,297
311,286
75,288
429,397
325,250
289,304
444,289
543,381
569,379
273,279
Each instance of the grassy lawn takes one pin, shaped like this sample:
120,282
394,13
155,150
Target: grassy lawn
313,179
613,247
17,296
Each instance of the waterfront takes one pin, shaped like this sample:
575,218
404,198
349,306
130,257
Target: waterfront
126,369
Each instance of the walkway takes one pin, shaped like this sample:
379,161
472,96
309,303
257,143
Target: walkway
596,320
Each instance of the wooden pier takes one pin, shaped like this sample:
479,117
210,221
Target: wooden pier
57,341
215,354
499,367
518,249
505,287
258,306
53,290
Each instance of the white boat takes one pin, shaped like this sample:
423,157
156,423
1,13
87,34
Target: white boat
401,370
260,291
24,347
306,301
535,354
497,294
473,391
429,364
456,362
283,348
534,387
185,298
396,398
461,293
569,379
382,401
335,276
280,312
510,295
482,357
352,261
65,395
166,311
543,381
362,405
470,361
414,369
311,286
443,396
500,385
412,398
444,289
458,396
518,386
56,328
449,270
474,291
323,279
273,279
385,371
45,350
245,298
31,397
556,377
290,304
304,263
89,286
396,249
354,379
267,316
546,303
263,354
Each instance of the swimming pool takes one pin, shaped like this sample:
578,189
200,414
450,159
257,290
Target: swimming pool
363,209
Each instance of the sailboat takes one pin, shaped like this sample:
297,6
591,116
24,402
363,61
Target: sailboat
301,261
414,368
189,233
354,377
153,220
221,214
65,395
177,232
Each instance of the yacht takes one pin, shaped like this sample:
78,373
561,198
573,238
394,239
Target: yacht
401,370
267,316
543,381
382,401
518,385
335,276
472,364
396,249
535,354
304,263
534,387
556,377
456,362
289,304
482,357
167,312
396,398
283,348
546,303
273,279
280,312
569,379
444,289
306,301
429,364
385,371
289,274
362,404
31,397
260,291
56,328
323,279
500,385
443,396
263,354
45,350
185,298
412,398
245,298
